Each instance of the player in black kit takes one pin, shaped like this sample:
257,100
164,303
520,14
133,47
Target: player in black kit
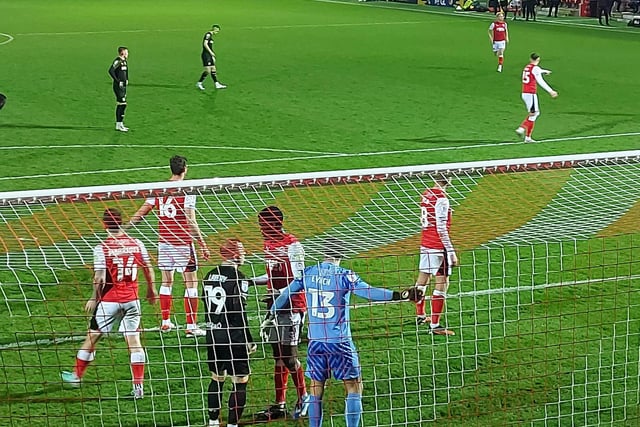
209,59
229,341
119,72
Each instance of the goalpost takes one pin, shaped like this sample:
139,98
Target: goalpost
545,304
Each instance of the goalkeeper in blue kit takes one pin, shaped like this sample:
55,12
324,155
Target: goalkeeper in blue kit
331,351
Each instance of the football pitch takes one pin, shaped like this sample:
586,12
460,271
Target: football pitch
316,86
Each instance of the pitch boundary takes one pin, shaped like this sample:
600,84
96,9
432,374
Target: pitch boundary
412,8
302,158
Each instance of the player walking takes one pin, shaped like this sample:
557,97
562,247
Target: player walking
437,254
531,78
178,228
209,59
331,349
284,257
119,72
499,36
115,299
229,339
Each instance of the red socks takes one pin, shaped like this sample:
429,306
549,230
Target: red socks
437,304
280,377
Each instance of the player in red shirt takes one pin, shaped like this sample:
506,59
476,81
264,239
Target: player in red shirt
115,298
177,228
499,36
437,254
284,258
531,78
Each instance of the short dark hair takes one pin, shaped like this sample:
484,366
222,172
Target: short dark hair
112,219
178,164
534,56
335,248
215,26
271,214
121,49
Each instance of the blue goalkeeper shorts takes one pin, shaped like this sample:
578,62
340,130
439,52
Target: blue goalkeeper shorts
340,359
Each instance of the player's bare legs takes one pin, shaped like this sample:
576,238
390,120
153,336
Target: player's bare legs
437,305
191,301
138,359
500,54
210,71
165,300
421,283
85,356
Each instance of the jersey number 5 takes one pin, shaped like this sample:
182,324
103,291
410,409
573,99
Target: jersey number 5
321,306
216,297
526,76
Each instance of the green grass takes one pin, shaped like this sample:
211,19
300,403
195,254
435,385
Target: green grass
319,86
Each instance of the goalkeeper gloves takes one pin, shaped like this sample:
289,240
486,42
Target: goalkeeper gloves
412,294
267,324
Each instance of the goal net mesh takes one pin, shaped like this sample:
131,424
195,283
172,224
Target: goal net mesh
545,304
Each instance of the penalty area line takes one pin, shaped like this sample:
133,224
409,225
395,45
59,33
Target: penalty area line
327,156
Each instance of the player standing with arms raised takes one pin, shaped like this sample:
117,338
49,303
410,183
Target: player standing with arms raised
119,72
531,78
499,36
115,298
229,339
284,257
178,228
437,254
209,59
331,349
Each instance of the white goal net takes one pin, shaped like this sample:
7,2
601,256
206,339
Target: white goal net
545,303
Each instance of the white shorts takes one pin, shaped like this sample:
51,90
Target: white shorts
434,262
531,101
108,314
499,45
177,258
288,330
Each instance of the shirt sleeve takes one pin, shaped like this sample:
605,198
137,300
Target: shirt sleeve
442,216
190,202
364,290
296,258
537,73
491,26
283,299
99,261
150,201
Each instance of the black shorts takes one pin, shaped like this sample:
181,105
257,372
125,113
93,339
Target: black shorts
230,357
120,92
207,60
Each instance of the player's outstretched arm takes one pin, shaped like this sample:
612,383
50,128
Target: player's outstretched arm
140,213
284,299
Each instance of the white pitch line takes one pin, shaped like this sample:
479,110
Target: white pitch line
259,27
513,289
429,10
9,38
189,147
323,156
